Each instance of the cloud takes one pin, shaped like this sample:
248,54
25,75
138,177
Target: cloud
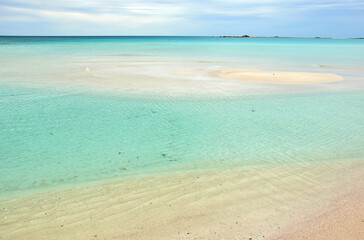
159,10
137,16
168,14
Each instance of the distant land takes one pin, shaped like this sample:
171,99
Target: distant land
247,36
222,36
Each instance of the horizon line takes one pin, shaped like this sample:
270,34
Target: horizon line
222,36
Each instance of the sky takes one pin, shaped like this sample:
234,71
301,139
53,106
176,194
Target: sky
299,18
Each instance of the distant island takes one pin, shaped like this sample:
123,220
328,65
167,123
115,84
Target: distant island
247,36
244,36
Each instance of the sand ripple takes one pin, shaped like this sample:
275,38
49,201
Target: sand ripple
239,204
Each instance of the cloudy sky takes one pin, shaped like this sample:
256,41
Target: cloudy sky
330,18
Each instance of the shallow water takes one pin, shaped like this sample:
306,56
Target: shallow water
53,136
50,138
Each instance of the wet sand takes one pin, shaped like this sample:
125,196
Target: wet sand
307,201
341,218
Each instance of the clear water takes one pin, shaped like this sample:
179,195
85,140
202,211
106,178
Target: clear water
331,52
53,137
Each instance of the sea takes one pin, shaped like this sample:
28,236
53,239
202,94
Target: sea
80,110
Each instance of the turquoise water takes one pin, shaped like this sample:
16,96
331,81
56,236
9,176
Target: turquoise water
53,137
331,52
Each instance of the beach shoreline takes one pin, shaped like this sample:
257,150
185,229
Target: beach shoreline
256,203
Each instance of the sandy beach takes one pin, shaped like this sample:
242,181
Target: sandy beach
308,201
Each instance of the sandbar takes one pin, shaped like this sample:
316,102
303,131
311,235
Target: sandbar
277,77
